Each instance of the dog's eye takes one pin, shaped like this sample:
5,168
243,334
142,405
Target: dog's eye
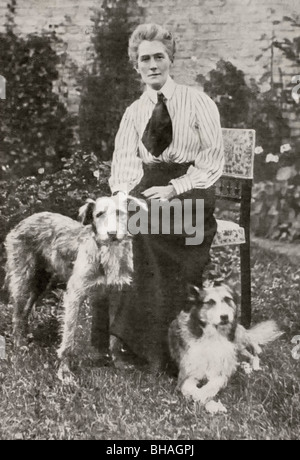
101,213
210,302
228,300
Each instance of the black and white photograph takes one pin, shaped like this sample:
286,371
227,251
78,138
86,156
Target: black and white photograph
150,222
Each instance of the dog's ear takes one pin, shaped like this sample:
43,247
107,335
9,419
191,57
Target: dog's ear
141,203
218,283
86,212
233,283
235,290
195,324
236,295
195,296
193,293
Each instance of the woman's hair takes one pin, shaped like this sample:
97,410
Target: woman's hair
150,32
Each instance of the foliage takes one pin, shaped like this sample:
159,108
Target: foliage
276,204
276,198
64,192
226,85
290,49
36,129
276,210
112,83
243,106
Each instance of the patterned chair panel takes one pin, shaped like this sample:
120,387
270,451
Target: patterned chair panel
239,145
228,233
239,152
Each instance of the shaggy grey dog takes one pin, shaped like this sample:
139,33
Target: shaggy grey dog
96,252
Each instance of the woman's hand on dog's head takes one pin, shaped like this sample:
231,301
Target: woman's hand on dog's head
163,193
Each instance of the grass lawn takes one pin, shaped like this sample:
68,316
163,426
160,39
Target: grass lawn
113,405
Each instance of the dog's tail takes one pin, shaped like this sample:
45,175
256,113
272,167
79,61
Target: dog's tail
264,332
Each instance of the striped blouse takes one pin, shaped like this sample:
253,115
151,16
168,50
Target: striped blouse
197,137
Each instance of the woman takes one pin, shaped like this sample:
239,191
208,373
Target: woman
169,145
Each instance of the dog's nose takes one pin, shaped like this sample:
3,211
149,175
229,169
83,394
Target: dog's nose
224,318
112,235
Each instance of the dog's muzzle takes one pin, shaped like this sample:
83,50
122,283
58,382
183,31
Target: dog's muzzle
224,320
115,236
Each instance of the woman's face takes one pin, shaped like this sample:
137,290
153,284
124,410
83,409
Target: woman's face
153,63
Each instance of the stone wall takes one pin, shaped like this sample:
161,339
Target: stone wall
207,30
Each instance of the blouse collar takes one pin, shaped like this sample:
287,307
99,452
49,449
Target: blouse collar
167,90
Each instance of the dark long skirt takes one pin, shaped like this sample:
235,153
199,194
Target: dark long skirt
163,266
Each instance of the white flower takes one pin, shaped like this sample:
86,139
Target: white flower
265,87
285,148
272,158
285,173
41,170
96,174
258,150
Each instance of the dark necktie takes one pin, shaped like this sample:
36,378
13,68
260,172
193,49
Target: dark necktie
158,133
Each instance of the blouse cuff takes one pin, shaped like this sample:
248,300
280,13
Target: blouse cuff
119,188
182,184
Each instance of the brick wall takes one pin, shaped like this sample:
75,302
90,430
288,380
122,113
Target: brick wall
207,30
235,30
70,19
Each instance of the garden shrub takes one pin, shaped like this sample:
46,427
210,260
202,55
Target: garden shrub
243,106
290,49
276,197
63,192
276,210
112,84
276,204
36,129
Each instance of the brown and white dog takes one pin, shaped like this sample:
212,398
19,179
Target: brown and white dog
205,341
94,253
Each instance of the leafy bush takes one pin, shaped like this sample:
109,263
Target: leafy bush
291,49
112,83
276,194
276,205
36,129
276,211
227,87
64,192
243,106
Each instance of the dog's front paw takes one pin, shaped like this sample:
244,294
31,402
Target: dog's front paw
256,363
65,375
246,368
214,407
20,340
190,391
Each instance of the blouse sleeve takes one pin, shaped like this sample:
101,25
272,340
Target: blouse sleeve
126,169
209,161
